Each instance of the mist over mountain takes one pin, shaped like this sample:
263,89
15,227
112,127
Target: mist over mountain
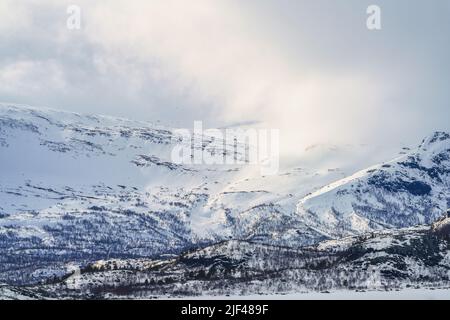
76,189
411,189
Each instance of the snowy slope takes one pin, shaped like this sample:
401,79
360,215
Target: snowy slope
79,188
82,187
409,190
417,257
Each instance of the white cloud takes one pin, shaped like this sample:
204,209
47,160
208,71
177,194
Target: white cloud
316,77
31,77
212,50
13,17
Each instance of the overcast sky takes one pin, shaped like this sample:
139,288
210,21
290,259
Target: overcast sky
310,68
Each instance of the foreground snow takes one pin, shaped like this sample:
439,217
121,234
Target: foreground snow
407,294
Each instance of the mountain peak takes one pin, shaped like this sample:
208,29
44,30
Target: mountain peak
435,138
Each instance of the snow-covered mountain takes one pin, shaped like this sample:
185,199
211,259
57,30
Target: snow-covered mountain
80,188
416,257
77,188
409,190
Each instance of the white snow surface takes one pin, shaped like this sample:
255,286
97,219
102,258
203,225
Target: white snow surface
59,166
409,190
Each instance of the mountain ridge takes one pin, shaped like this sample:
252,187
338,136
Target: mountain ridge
80,188
416,257
411,189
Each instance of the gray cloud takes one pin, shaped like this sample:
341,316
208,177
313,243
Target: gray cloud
310,68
